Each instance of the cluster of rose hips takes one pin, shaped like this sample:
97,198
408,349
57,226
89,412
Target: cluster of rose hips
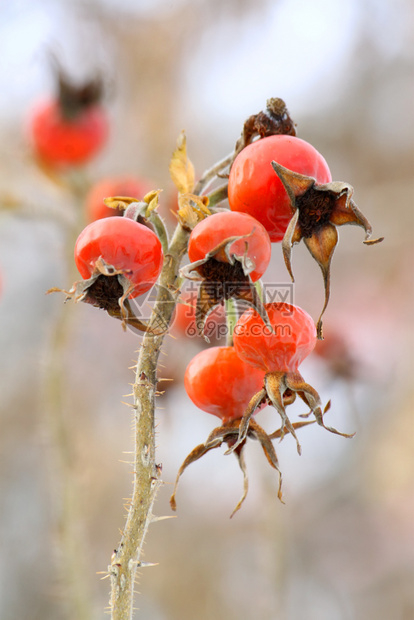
279,190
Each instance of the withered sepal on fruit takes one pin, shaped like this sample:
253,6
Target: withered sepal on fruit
317,209
274,120
280,390
224,275
108,288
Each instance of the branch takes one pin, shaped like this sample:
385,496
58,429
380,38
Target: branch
210,174
127,557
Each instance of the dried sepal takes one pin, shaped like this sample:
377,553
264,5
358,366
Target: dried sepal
280,390
242,464
292,236
274,120
75,98
277,434
321,247
254,403
228,432
223,253
108,288
194,455
316,211
276,393
310,396
264,439
205,304
224,274
276,386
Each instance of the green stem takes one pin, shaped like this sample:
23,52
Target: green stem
231,319
161,230
258,285
218,195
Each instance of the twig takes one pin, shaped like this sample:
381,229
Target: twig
147,474
127,557
209,175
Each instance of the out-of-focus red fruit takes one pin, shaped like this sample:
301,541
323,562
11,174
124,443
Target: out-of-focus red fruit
336,352
124,185
63,140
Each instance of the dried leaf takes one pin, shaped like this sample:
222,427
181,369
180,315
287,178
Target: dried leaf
192,209
181,168
119,202
152,200
188,217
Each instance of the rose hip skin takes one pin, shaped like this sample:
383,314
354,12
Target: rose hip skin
279,354
213,230
219,382
284,350
183,322
254,187
124,244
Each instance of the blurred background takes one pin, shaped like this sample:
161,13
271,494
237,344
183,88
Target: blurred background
342,546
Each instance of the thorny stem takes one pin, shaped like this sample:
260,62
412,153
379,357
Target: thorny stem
127,557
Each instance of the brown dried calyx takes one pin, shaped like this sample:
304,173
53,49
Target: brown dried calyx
274,120
223,279
228,433
279,391
317,209
75,98
108,288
